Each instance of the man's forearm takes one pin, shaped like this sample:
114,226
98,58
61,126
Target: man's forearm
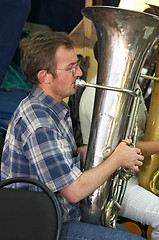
148,147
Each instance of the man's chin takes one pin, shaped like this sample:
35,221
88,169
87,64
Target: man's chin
73,91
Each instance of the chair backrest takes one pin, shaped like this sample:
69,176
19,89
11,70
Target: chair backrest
29,215
3,132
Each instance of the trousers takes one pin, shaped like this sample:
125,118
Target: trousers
86,231
142,206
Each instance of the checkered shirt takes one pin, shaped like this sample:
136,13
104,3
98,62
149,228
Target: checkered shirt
39,144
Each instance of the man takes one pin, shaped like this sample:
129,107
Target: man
40,143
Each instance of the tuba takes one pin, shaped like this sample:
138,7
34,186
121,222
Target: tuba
124,40
149,173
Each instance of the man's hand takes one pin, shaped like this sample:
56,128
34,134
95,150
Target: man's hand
128,157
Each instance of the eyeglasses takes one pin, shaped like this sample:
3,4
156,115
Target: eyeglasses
73,70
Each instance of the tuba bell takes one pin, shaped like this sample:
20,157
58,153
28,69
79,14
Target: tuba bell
124,40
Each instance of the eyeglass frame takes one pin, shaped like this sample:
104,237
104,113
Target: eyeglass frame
72,69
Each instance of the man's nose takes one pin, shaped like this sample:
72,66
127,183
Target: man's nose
79,71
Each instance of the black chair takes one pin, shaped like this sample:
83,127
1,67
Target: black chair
29,215
3,132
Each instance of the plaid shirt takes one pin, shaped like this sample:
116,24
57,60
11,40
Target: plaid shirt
39,144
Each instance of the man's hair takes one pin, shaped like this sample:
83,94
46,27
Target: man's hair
38,52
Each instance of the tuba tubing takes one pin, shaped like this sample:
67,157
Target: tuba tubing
124,40
149,173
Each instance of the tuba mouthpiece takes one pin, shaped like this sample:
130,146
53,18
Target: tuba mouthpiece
80,83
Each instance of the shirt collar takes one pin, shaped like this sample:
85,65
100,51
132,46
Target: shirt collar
61,109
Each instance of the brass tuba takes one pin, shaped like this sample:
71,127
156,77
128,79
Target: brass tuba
149,172
124,40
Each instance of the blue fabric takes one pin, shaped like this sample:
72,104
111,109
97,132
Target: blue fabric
13,14
39,144
3,124
84,231
8,103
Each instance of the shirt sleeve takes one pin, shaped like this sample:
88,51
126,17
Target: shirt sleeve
50,157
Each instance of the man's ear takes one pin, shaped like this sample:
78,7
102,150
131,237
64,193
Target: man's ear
43,76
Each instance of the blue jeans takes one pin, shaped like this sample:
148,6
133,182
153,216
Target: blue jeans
85,231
